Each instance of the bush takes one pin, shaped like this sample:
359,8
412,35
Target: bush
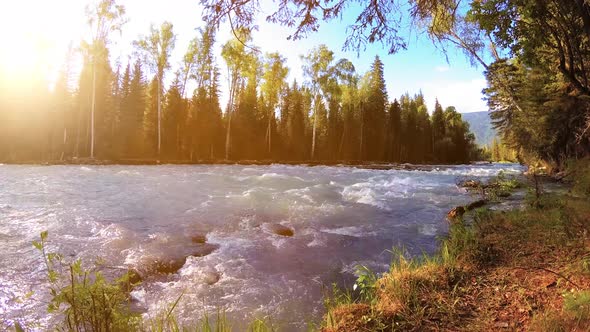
579,174
85,298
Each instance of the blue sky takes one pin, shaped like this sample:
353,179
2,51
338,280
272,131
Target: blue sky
421,67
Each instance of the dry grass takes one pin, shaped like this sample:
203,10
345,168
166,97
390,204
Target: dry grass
517,270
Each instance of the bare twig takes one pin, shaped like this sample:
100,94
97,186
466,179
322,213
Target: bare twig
550,271
231,24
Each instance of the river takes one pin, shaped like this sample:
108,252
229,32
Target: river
131,216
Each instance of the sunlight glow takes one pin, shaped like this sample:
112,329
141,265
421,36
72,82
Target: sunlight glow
35,35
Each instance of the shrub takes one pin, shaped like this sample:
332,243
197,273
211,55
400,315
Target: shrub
85,298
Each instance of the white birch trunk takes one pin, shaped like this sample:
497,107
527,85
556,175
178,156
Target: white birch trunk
93,107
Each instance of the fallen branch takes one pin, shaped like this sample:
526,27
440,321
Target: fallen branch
550,271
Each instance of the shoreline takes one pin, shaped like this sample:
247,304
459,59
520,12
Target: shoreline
320,317
150,162
520,269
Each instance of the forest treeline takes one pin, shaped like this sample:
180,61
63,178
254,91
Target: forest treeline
535,54
128,111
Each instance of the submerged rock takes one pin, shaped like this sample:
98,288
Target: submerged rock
476,204
163,265
204,249
199,238
168,266
211,277
279,229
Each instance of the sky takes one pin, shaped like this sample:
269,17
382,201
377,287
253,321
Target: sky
39,32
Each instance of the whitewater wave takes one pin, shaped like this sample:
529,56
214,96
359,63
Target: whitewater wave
130,215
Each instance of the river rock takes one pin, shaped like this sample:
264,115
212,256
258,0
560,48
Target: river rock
279,229
168,266
199,238
211,277
134,277
456,212
476,204
204,249
171,265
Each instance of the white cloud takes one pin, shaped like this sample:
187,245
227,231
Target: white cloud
442,69
465,95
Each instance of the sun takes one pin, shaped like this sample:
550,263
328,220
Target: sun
35,36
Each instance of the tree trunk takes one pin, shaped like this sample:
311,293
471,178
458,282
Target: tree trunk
342,141
315,118
64,146
93,107
362,133
159,116
268,134
228,135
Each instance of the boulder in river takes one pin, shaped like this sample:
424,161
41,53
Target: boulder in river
204,249
164,265
211,277
198,238
476,204
168,266
279,229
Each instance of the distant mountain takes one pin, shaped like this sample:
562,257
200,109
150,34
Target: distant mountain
480,124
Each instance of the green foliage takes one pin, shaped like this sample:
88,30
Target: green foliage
499,152
502,186
85,299
494,189
577,304
261,325
365,284
578,172
336,296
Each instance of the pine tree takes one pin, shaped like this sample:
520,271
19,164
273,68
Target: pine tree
374,113
394,132
173,120
438,131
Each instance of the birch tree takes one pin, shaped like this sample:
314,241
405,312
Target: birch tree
317,69
155,49
275,73
237,59
104,17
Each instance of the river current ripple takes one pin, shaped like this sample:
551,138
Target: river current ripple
129,216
